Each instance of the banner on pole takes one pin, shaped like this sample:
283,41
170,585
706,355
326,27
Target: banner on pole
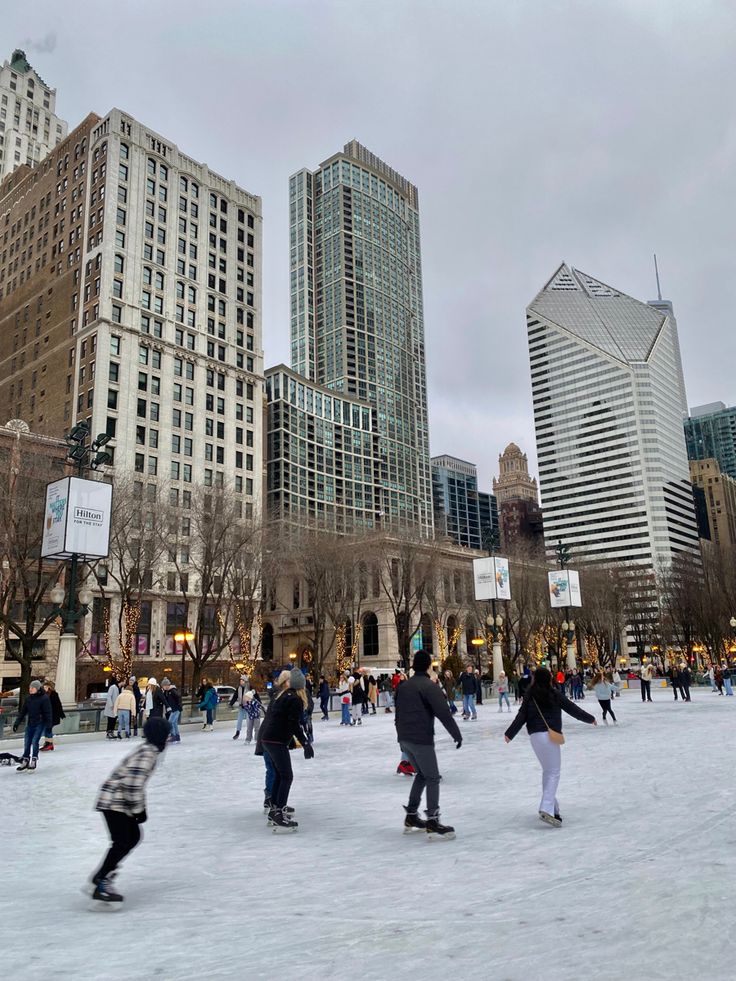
564,588
491,579
77,519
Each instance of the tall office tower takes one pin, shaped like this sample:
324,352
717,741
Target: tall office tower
461,511
607,392
710,433
719,493
519,514
29,126
357,323
130,297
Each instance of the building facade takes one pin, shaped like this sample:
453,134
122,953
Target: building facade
29,126
608,406
320,453
357,324
710,434
719,491
461,512
519,514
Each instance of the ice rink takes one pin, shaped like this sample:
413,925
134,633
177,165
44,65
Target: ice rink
636,885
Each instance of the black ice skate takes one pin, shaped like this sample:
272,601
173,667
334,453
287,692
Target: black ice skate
412,822
105,893
438,831
23,765
289,811
32,764
282,822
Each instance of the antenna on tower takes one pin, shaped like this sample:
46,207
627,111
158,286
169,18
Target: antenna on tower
656,273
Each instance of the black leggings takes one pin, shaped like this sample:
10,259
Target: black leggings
125,833
605,704
284,774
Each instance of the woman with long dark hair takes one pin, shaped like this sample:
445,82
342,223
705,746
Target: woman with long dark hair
541,710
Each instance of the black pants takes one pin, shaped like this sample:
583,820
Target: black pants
685,689
284,774
111,723
125,833
324,704
646,690
605,704
424,760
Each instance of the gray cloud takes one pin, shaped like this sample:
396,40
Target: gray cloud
536,132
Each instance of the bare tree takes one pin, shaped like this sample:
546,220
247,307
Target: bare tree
405,566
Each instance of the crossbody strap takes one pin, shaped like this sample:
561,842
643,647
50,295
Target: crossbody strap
542,714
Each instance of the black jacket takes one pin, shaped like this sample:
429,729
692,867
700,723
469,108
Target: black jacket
537,719
173,700
324,690
36,710
419,702
359,695
137,694
159,704
283,722
57,712
467,683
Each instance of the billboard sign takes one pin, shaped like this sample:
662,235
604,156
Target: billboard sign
564,588
77,519
491,579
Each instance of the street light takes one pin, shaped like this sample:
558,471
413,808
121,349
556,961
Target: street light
182,637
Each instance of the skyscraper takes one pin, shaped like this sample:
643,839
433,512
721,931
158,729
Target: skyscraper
519,515
29,126
461,511
710,433
357,324
608,397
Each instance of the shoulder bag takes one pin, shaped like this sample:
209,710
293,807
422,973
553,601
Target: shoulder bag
554,735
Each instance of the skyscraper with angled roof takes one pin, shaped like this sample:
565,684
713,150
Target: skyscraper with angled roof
608,396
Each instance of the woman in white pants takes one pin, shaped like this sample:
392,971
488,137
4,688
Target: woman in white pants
541,710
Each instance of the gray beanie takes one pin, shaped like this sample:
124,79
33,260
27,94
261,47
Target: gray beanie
37,685
165,683
296,679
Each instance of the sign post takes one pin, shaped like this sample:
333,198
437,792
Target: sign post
491,582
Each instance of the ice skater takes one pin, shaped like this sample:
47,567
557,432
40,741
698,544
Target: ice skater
125,710
57,714
418,703
324,697
604,691
541,710
208,704
467,684
359,697
122,800
281,731
110,714
37,713
646,673
685,678
173,709
254,710
239,699
502,690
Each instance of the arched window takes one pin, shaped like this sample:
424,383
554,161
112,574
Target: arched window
427,632
370,635
267,642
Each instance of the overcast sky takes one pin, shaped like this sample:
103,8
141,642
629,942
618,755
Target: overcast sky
596,132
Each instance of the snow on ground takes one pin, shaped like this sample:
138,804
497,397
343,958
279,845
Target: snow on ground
636,885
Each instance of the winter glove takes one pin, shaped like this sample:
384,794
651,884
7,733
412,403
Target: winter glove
141,818
309,752
458,742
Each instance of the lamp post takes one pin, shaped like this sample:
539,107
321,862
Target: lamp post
477,643
494,624
563,558
182,637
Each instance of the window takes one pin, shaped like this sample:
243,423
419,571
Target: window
112,399
114,372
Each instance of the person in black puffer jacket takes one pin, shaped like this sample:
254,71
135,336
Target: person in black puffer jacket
282,728
541,710
37,713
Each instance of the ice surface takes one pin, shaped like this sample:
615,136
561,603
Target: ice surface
637,884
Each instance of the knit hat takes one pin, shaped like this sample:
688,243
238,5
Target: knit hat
244,677
296,679
165,683
422,661
37,685
249,695
152,681
351,680
156,731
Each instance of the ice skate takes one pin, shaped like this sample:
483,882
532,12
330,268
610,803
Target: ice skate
23,765
47,747
405,768
105,893
436,830
412,822
282,822
552,819
237,735
32,764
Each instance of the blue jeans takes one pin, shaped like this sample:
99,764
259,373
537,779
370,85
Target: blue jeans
32,736
241,715
729,686
210,716
270,774
174,723
501,696
469,705
345,713
48,733
124,721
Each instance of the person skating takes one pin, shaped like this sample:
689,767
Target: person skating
524,681
358,696
208,704
254,710
153,701
418,703
685,678
502,689
57,714
478,688
125,710
726,672
541,711
603,690
343,690
112,696
467,684
324,697
37,713
122,801
172,699
646,673
281,731
279,686
136,719
239,699
372,694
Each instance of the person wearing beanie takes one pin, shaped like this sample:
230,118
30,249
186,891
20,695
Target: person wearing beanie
153,701
253,711
37,713
283,730
358,696
122,801
418,703
208,704
57,714
239,699
276,689
172,698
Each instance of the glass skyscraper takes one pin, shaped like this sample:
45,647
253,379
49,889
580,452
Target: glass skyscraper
462,512
357,324
608,406
710,434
